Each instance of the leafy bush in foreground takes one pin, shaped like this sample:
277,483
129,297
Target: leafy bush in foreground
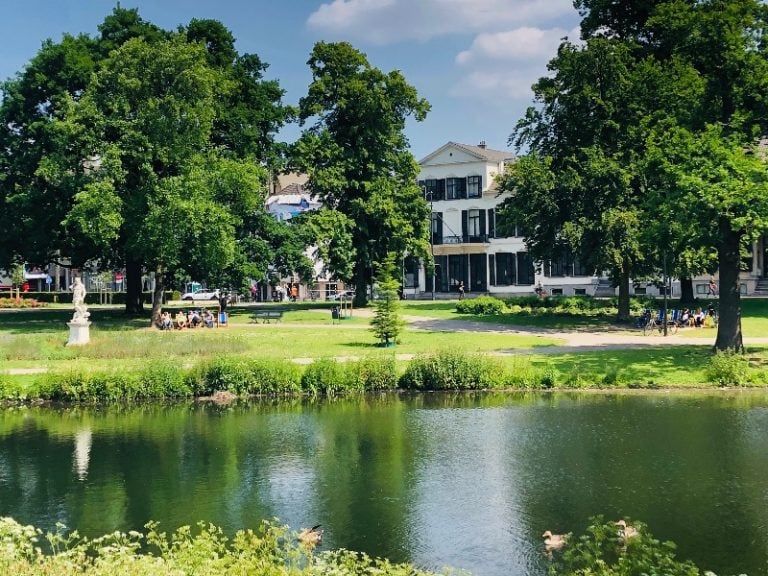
270,549
602,550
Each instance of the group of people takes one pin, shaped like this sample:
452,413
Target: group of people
192,319
697,318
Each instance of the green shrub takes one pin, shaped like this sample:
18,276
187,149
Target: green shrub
601,550
324,376
612,377
549,378
728,369
223,374
372,373
269,549
481,305
273,377
522,374
163,380
453,370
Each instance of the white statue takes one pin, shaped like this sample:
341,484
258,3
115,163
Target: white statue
78,300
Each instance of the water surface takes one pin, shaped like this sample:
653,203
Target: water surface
469,481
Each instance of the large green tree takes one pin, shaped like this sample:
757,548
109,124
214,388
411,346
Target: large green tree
88,160
357,156
691,66
581,186
724,43
156,192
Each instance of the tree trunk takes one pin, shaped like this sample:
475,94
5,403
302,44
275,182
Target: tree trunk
361,283
624,315
686,290
157,297
729,335
133,295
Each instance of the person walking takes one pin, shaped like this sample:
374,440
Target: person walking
712,290
461,290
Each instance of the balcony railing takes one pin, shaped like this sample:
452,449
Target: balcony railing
465,239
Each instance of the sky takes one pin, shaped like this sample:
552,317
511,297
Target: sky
473,60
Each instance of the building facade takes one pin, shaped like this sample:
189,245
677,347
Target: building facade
458,181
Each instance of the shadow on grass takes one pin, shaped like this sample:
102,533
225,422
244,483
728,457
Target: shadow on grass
51,320
640,364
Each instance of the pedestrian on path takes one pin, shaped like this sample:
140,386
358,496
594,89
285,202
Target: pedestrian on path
461,290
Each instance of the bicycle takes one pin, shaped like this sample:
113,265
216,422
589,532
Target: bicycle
650,325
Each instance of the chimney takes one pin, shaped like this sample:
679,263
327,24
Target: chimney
482,144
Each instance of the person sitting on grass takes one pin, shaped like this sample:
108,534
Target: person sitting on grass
165,321
180,320
207,319
698,318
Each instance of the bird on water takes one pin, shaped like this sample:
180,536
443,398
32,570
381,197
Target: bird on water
311,537
554,541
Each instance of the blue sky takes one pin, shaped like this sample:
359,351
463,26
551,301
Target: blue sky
473,60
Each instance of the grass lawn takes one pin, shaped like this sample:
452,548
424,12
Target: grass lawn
754,318
37,339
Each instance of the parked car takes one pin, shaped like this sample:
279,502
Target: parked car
202,294
348,294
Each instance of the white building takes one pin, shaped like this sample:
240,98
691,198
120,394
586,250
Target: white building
459,182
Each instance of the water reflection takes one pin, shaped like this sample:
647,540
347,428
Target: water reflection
468,480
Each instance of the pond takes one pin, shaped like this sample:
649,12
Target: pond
470,481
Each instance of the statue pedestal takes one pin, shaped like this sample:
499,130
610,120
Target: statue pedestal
79,333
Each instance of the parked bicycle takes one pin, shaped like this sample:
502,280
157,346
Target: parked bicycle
650,323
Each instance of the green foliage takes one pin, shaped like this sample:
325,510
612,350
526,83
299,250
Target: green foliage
324,376
387,324
550,378
728,369
146,146
601,551
17,275
372,373
247,376
481,305
453,370
357,157
270,549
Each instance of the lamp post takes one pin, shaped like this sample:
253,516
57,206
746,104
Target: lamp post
431,235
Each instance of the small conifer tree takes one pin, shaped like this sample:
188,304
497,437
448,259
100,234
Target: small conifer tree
386,323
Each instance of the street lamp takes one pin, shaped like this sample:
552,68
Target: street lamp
431,235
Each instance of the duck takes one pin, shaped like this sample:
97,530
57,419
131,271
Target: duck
626,531
554,541
311,537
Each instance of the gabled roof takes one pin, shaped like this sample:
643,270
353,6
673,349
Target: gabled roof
479,152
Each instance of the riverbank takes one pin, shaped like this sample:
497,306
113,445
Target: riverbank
523,356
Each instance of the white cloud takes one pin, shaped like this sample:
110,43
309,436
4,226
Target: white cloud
389,21
501,66
521,44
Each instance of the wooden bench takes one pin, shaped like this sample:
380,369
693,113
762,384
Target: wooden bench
266,315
